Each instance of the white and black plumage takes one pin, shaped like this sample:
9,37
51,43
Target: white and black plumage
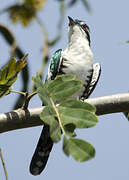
76,59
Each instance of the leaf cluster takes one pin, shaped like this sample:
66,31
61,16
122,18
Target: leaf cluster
26,11
8,74
66,116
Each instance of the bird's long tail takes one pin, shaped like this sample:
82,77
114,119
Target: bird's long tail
41,154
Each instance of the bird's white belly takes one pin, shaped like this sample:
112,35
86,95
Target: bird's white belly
81,67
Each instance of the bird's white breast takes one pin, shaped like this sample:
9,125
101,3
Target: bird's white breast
78,60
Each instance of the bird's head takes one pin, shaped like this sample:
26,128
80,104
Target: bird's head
79,29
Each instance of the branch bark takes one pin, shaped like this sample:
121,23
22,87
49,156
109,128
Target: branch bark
20,118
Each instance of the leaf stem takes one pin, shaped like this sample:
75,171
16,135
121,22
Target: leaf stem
60,123
18,92
26,96
27,99
31,95
3,163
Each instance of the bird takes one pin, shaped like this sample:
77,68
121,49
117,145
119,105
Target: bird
76,59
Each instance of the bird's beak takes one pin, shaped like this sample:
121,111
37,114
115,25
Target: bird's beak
71,21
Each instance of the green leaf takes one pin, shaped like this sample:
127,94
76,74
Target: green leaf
21,13
52,85
60,93
47,112
55,89
69,130
33,4
78,104
25,12
79,149
8,74
48,116
79,117
55,131
41,90
65,146
126,42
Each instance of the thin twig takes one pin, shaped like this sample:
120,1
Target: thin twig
45,48
18,92
13,48
27,100
3,163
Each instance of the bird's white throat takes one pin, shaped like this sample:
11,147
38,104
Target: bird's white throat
78,50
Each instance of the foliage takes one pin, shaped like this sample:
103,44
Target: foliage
26,11
67,116
8,74
16,51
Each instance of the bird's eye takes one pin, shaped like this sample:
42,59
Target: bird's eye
83,27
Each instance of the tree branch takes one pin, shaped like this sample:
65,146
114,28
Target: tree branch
20,118
110,104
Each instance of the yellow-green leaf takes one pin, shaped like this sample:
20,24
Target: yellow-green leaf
8,74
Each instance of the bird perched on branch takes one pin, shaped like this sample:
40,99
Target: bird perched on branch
76,59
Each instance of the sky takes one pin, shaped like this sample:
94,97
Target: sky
109,27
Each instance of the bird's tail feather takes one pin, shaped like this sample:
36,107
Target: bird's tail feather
41,154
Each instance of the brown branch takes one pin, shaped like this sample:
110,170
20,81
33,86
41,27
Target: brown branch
20,118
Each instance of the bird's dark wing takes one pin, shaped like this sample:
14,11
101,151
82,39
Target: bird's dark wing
55,64
93,81
44,146
95,78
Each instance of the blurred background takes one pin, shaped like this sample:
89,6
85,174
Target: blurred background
108,22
